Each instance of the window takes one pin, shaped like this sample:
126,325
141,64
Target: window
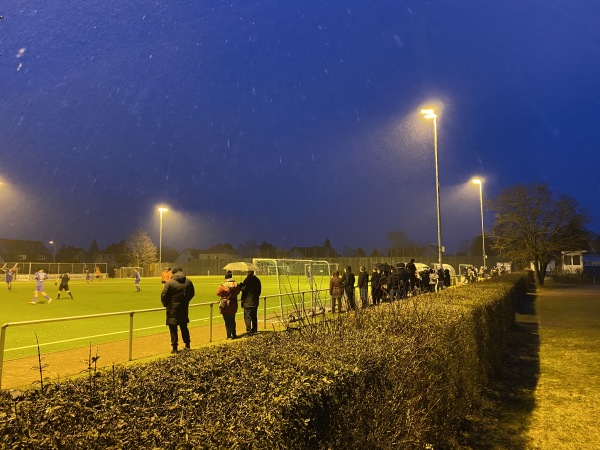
41,257
22,257
576,260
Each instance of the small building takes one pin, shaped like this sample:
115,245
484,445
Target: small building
581,262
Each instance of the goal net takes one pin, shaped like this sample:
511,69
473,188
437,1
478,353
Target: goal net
302,284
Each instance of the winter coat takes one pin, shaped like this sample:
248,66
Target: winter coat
363,280
335,287
375,277
228,291
348,282
175,297
251,289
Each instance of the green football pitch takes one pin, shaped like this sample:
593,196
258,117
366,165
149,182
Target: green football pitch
119,295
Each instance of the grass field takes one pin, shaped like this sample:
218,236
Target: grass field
115,295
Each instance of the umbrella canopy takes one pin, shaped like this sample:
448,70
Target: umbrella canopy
383,267
241,266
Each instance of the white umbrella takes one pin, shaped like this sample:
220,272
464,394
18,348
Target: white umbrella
241,266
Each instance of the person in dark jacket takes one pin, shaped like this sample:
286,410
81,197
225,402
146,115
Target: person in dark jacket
411,268
403,277
375,292
228,291
363,286
175,297
251,289
348,281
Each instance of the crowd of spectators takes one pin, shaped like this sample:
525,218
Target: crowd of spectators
395,282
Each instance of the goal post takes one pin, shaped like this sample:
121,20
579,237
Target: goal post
293,276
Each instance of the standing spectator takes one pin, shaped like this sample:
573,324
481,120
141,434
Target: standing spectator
447,278
228,291
433,280
40,277
363,286
424,276
348,281
375,289
251,289
64,284
412,274
403,278
176,297
335,290
440,281
136,277
394,285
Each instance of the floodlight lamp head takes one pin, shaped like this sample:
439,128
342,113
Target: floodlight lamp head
429,113
476,180
162,209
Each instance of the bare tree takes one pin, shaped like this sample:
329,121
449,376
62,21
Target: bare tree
140,249
535,225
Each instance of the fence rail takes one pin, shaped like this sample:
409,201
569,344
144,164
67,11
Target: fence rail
299,302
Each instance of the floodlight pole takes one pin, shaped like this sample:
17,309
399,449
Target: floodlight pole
430,114
160,231
480,183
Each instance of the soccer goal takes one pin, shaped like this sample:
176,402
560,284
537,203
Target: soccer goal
302,284
129,272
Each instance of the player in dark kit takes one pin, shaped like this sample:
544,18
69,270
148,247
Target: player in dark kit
64,284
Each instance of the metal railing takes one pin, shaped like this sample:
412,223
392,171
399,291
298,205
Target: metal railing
295,305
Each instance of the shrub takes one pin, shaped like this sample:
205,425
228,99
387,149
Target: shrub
403,375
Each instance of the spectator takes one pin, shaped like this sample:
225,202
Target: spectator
348,281
412,274
403,278
440,279
447,278
433,280
335,290
176,296
375,288
251,290
228,291
363,286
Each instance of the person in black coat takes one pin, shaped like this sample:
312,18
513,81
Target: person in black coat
375,292
348,281
363,286
175,297
251,289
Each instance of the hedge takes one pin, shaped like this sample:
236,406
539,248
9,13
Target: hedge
402,375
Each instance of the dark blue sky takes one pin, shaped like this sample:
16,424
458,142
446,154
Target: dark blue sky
289,121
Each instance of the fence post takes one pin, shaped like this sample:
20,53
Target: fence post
265,313
210,323
131,336
2,341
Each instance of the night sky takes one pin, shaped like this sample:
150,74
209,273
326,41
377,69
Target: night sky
289,121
